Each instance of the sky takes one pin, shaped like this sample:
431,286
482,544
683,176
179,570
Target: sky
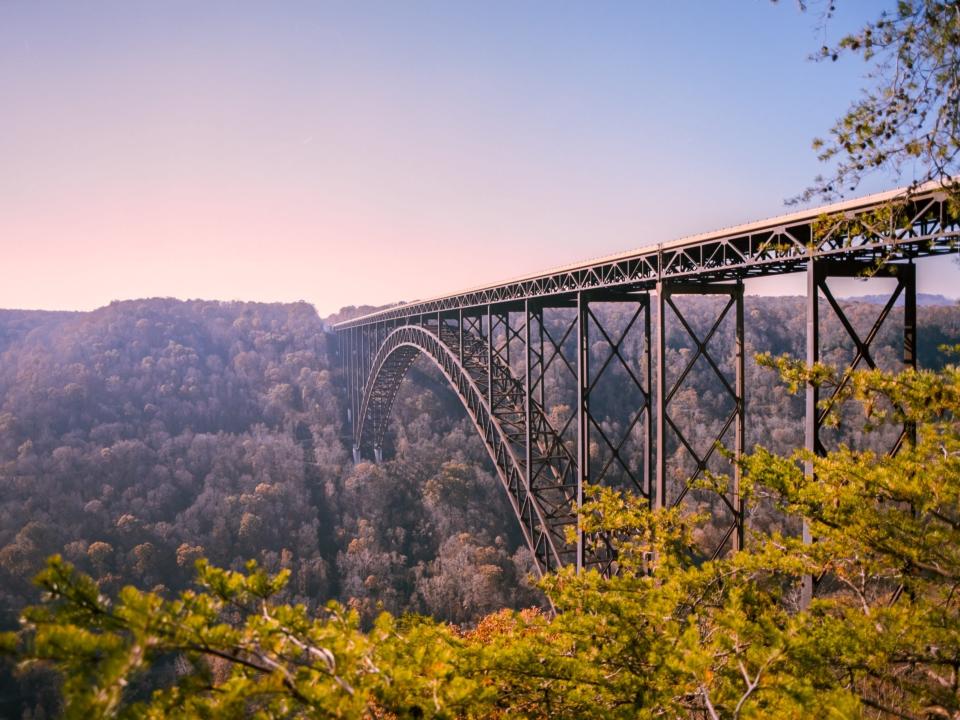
363,152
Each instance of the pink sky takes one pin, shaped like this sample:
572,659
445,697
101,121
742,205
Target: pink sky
367,153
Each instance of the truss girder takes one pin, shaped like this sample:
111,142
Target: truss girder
905,289
924,226
498,358
597,353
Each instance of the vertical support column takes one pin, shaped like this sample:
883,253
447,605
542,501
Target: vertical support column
490,359
339,337
583,429
344,346
460,334
508,330
358,365
648,406
908,277
741,428
348,359
357,376
341,358
364,341
355,390
542,360
367,355
811,418
528,444
362,361
361,382
660,494
378,338
353,379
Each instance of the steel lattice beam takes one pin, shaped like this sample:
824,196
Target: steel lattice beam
519,352
923,226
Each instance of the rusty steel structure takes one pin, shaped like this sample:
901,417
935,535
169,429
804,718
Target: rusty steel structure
533,359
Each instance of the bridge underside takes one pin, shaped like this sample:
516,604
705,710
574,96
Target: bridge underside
540,372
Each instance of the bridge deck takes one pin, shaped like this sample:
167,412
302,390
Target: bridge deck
892,225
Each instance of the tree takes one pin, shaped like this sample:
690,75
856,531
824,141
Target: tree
727,639
239,653
907,120
668,636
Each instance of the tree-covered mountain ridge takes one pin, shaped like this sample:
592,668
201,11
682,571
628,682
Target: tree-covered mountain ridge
142,434
145,434
161,428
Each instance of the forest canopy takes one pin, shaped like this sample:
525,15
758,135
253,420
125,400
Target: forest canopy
146,435
668,636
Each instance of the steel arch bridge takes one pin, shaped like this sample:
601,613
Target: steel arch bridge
534,359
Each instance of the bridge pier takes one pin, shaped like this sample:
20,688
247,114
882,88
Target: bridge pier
603,450
816,412
668,428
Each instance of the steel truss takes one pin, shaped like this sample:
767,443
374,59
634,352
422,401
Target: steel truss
609,464
511,366
534,361
817,410
921,225
702,450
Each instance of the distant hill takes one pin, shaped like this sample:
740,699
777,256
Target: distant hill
354,311
925,299
16,324
144,434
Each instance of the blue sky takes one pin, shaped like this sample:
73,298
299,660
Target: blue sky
364,152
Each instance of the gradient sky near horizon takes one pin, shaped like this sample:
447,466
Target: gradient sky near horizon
368,152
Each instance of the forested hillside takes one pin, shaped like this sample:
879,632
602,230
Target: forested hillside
139,437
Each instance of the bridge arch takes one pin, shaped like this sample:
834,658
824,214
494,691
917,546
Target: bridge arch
543,512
